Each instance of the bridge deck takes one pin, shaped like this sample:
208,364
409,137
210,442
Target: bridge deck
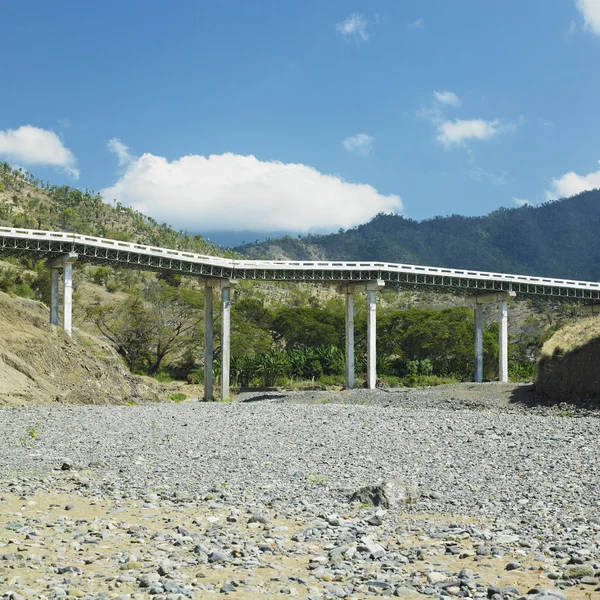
103,251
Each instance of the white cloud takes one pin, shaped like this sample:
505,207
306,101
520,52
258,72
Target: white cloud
235,192
455,133
354,27
571,183
590,11
120,150
361,143
417,24
446,97
521,201
34,146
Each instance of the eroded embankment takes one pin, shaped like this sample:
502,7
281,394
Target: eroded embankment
40,364
569,365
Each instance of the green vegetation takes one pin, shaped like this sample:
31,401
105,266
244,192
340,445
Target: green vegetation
283,335
178,397
28,202
150,324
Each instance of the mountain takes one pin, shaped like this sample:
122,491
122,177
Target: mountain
556,239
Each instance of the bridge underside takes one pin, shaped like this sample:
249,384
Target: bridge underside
423,281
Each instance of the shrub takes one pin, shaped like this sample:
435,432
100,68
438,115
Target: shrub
177,397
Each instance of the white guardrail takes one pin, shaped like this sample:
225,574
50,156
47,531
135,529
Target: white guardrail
133,248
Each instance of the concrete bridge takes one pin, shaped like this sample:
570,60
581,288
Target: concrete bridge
63,250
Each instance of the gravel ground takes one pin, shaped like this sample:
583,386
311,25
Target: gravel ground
499,497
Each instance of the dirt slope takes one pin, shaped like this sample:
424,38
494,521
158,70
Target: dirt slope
569,365
39,363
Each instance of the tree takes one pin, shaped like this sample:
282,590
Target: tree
150,324
308,327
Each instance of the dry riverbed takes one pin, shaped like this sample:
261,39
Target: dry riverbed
498,498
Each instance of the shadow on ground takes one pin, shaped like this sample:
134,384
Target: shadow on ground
264,397
528,397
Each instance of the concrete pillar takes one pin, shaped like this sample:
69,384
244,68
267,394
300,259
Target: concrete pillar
501,298
371,338
65,263
349,340
503,342
372,289
208,343
478,343
225,286
225,340
54,296
68,297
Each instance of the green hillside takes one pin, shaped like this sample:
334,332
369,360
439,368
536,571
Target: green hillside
556,239
28,202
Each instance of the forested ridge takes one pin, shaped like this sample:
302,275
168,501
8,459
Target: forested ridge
556,239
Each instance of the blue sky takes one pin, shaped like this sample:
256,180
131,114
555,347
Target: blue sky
296,103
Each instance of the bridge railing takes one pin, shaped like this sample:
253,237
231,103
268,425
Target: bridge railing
279,265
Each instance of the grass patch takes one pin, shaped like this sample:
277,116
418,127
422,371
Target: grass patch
177,397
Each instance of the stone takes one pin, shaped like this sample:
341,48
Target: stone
550,595
512,566
579,571
388,494
217,556
375,550
375,520
406,592
436,577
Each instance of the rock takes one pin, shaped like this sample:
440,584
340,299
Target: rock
67,465
550,595
506,539
218,556
388,494
512,566
406,592
69,569
227,587
579,571
375,520
375,550
436,577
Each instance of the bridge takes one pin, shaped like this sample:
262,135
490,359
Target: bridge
63,250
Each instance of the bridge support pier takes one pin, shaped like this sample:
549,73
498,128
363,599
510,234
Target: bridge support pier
225,285
54,296
65,263
349,341
371,287
501,298
478,343
503,343
208,343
